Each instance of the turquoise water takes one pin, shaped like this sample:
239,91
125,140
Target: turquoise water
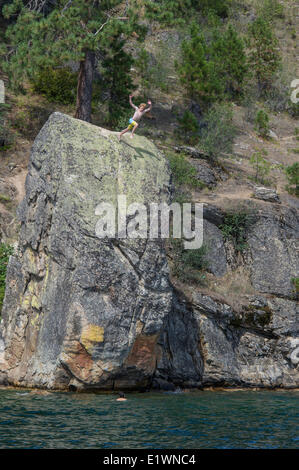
262,420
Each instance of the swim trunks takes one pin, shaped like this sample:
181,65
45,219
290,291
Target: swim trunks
132,123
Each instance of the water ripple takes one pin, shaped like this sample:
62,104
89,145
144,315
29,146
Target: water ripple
182,420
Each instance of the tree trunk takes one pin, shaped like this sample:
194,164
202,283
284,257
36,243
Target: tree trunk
84,88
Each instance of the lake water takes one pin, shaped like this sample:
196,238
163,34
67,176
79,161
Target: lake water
245,419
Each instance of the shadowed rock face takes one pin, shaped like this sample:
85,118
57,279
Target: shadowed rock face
80,310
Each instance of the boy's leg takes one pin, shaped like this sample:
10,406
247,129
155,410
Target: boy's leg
123,132
134,129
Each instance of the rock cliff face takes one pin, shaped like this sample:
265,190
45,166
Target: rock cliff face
79,310
87,313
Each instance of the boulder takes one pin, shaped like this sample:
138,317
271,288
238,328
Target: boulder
204,172
81,311
266,194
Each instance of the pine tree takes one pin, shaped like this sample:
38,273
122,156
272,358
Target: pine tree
197,72
220,7
116,77
72,30
170,12
264,55
173,12
228,51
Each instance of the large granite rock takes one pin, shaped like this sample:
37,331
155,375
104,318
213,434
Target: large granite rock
82,311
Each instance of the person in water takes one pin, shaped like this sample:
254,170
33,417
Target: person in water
121,397
139,112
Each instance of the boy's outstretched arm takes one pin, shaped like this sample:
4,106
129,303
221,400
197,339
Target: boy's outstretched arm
150,107
131,102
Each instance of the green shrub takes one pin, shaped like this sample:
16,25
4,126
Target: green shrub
188,127
218,131
4,198
173,12
6,137
262,123
187,265
292,173
261,165
57,85
182,196
122,122
257,317
183,172
219,7
5,252
277,96
234,228
271,9
293,109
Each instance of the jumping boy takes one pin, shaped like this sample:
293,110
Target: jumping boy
139,112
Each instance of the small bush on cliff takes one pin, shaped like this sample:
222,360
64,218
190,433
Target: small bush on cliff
292,173
234,228
261,165
218,131
183,172
187,265
188,127
271,10
262,123
5,252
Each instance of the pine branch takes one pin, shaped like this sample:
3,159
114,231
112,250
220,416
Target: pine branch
123,18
